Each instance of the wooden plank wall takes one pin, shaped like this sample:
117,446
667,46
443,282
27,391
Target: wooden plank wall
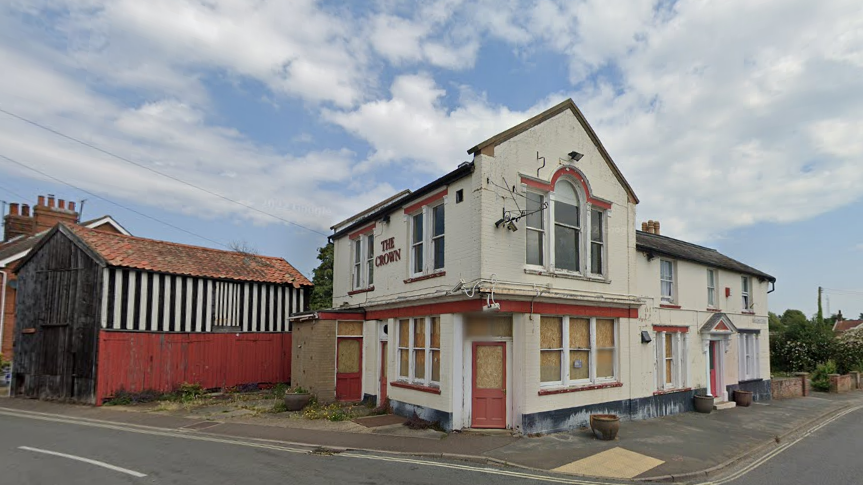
137,361
56,332
144,301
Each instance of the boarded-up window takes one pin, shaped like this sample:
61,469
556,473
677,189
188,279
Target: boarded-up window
671,358
419,350
577,350
482,326
579,345
489,366
350,329
551,349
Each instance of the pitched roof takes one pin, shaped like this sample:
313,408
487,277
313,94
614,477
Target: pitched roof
373,208
106,219
180,259
463,170
675,248
845,325
18,247
569,104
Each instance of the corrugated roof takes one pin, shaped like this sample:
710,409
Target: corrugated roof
181,259
675,248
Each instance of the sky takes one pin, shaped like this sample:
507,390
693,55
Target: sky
737,122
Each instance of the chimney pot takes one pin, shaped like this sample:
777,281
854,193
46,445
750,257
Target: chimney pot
13,209
25,210
51,201
61,204
644,227
651,226
71,206
656,227
41,201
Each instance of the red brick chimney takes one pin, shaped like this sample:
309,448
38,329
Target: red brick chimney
46,216
17,222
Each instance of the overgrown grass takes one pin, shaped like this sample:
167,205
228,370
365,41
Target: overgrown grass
330,412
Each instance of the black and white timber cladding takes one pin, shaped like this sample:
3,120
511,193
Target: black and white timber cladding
156,302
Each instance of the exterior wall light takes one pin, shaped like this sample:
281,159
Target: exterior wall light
575,155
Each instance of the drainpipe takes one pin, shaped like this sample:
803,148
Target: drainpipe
3,305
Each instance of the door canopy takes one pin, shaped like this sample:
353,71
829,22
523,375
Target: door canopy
719,324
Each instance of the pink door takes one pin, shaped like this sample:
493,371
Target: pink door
349,379
714,384
488,407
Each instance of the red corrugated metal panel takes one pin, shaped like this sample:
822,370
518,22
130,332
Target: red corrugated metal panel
136,361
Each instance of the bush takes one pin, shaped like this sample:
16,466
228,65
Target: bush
849,351
821,376
125,398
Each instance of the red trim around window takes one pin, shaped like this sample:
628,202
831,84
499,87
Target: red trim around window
428,200
666,305
670,329
361,290
415,387
593,387
566,171
360,232
426,277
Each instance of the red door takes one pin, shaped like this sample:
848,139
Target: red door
383,394
714,389
488,407
349,379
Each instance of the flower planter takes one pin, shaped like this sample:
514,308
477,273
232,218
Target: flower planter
743,398
703,404
605,426
296,402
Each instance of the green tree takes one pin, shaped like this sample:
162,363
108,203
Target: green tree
322,295
774,323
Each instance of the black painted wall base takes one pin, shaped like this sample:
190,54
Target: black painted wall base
370,399
760,389
444,419
628,409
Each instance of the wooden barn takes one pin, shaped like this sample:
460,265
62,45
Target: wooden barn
100,312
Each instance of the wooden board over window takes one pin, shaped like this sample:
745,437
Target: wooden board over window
487,326
350,329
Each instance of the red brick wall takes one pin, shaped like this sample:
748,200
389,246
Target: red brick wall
9,315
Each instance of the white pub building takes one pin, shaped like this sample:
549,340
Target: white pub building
516,292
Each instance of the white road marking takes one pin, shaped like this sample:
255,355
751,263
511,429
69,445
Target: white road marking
86,460
141,429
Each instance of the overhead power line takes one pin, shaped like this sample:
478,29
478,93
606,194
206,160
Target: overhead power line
145,167
16,194
20,164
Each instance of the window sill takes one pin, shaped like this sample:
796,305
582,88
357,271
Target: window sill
672,391
567,276
714,310
415,387
425,277
363,290
669,305
591,387
746,312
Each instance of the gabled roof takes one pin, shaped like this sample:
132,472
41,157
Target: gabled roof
665,246
116,250
373,208
463,170
17,248
845,325
105,220
569,104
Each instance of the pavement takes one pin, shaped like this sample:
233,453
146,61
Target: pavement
683,447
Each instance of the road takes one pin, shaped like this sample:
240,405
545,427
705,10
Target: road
39,450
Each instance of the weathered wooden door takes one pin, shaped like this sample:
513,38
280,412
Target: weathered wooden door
383,394
488,406
349,378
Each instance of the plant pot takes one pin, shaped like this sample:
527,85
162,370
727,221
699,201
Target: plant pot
605,426
296,402
743,398
703,404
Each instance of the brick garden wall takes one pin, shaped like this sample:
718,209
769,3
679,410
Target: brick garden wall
786,387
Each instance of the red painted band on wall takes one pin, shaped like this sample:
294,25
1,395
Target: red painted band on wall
360,232
341,316
670,329
138,361
505,306
428,200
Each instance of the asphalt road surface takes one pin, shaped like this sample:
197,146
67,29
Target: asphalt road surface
50,450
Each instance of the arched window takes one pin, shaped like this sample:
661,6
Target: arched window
567,227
